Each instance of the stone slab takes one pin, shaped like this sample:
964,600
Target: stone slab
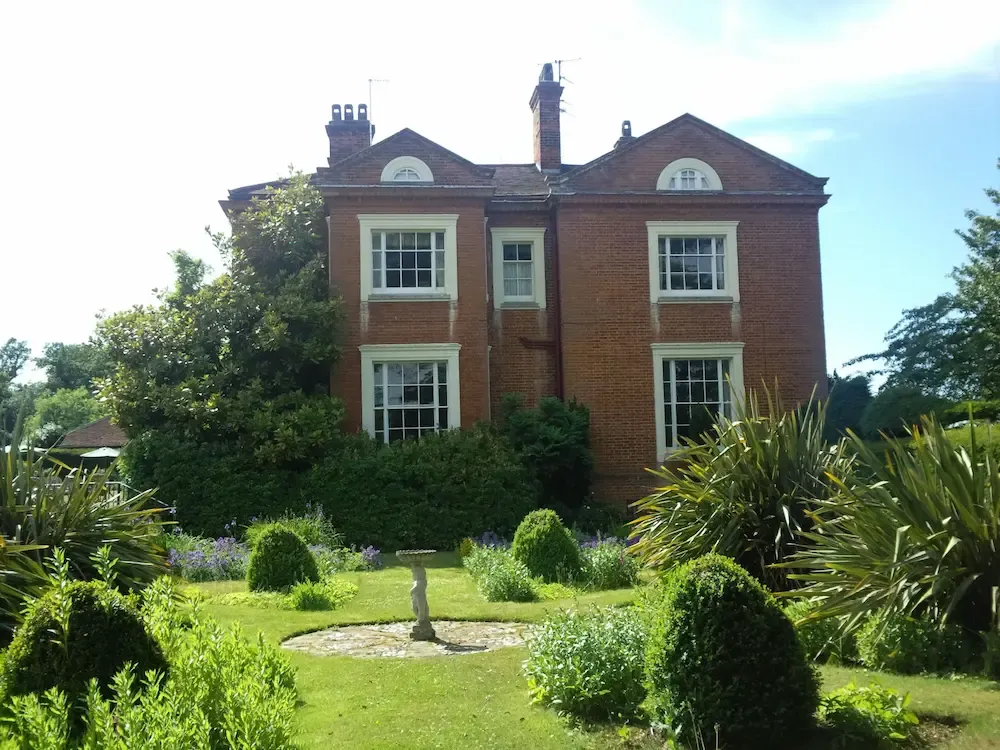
393,639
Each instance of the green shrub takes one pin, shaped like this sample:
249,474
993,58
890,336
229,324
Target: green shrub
279,560
222,692
209,483
608,565
985,410
894,410
465,547
312,526
721,653
104,633
588,664
322,595
600,518
871,716
426,493
913,528
846,404
499,577
893,642
553,441
743,491
822,638
546,547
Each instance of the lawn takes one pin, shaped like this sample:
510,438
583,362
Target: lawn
481,700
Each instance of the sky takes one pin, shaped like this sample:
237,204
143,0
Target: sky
123,124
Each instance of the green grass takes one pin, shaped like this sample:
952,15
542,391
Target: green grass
481,700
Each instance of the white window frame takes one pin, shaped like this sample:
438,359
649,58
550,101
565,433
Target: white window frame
535,236
731,350
424,173
725,229
446,223
710,175
372,353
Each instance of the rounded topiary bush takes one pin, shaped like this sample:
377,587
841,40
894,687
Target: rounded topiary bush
894,642
721,654
279,560
546,547
105,633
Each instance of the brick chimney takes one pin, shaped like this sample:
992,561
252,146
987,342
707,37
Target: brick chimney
347,135
627,136
545,109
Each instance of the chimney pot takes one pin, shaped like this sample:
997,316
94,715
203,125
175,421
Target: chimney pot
546,74
626,128
626,136
336,113
347,135
362,111
348,112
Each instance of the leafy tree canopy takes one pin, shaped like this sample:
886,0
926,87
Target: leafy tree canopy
951,347
244,358
13,355
73,365
57,413
849,397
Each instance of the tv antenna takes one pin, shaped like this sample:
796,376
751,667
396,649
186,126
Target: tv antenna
559,63
371,127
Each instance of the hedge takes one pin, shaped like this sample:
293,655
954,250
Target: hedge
427,493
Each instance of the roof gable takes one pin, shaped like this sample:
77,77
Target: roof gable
365,167
635,166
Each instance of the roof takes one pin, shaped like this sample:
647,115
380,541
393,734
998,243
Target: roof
99,434
518,179
698,122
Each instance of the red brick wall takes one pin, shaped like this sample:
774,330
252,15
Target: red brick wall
639,167
609,323
523,354
378,322
545,125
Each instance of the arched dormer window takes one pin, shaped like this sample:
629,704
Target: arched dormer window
688,174
407,169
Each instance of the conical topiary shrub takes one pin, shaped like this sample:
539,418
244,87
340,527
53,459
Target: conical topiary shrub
546,547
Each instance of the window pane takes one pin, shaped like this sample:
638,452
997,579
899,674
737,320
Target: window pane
423,240
711,369
697,369
426,373
509,252
424,278
510,287
690,264
690,245
690,281
720,245
439,259
663,245
426,395
439,278
705,281
409,240
442,419
676,281
439,241
698,393
380,436
705,245
394,371
423,260
524,288
377,372
408,260
442,395
681,367
376,240
379,419
676,264
378,396
426,417
395,435
408,279
676,246
392,240
442,373
524,252
509,271
395,418
712,391
395,395
683,392
411,418
411,371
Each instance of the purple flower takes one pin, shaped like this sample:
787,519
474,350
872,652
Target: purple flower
372,557
492,539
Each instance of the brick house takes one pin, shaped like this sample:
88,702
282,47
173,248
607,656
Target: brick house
640,283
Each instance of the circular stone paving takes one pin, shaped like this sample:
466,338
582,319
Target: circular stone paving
393,639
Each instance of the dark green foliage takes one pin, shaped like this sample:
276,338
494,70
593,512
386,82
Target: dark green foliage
601,518
821,638
58,413
914,527
743,491
721,653
553,440
984,410
209,483
893,642
427,493
16,401
609,565
498,576
242,361
546,547
105,632
894,410
867,717
279,560
313,527
846,404
73,365
588,664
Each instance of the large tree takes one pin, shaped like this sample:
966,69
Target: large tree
73,365
13,355
58,413
243,359
951,347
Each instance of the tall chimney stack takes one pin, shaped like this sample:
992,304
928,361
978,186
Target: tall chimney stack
347,135
545,110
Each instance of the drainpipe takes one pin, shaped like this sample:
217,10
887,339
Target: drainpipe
557,308
487,319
